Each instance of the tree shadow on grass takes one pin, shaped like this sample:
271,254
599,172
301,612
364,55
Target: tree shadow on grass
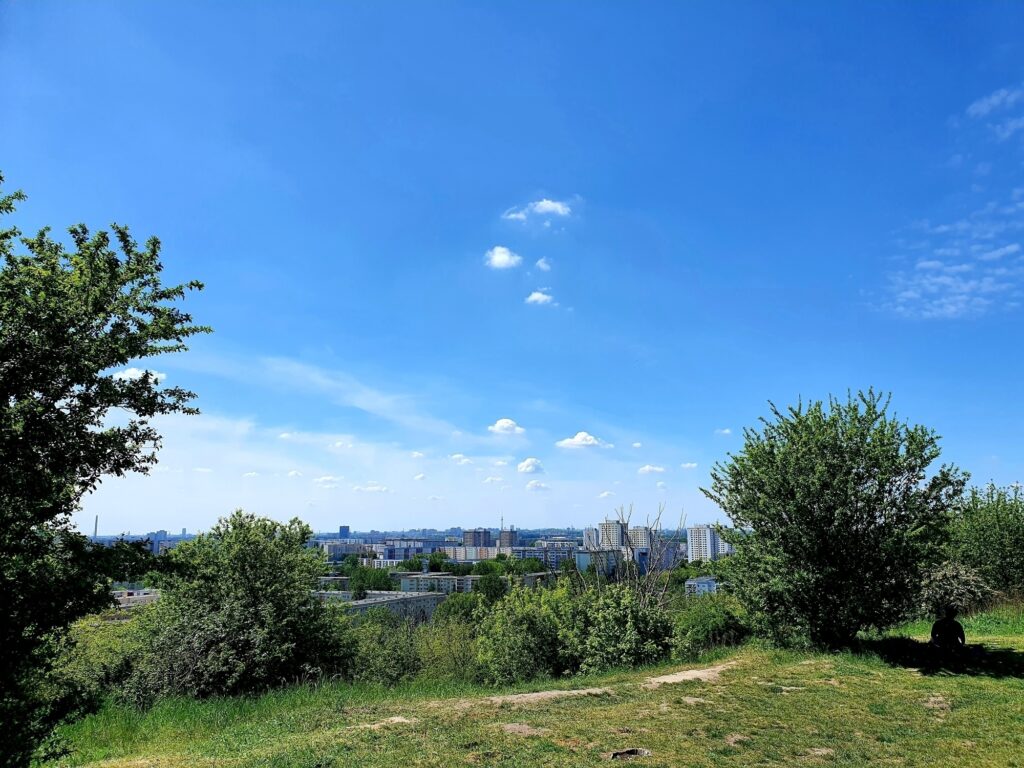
977,660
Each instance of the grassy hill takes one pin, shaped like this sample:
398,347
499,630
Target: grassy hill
754,706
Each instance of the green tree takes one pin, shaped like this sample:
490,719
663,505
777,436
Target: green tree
841,514
988,536
238,615
491,587
68,320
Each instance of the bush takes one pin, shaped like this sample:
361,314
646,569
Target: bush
987,534
518,639
609,627
447,650
386,650
97,656
459,606
953,585
706,622
237,615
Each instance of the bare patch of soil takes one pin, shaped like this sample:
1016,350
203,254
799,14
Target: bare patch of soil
539,697
707,675
522,729
735,739
397,720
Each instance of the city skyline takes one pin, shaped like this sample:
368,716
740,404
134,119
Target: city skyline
466,263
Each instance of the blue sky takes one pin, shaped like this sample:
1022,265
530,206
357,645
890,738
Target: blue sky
734,203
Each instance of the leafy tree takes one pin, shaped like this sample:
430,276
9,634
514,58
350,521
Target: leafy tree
127,561
528,565
68,320
239,616
458,606
518,639
842,517
988,536
491,587
364,579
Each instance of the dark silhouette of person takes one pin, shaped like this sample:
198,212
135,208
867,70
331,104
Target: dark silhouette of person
948,633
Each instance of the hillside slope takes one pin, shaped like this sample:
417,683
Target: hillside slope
752,706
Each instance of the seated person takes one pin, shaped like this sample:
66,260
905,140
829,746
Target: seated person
948,633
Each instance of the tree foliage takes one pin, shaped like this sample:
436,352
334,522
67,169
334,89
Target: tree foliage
988,536
68,319
238,615
841,517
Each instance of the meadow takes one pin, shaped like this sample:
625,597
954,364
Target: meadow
888,703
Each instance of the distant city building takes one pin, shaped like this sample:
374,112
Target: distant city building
449,582
705,544
701,585
641,537
613,533
344,531
509,538
591,538
477,537
603,561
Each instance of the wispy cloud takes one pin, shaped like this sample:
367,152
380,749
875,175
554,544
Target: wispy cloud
543,265
371,488
999,99
648,469
723,431
688,465
537,485
605,494
500,257
459,458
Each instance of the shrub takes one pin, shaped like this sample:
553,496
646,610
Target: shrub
447,650
237,615
953,585
987,534
459,606
386,650
518,639
609,627
706,622
97,656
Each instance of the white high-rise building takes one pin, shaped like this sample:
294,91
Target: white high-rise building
591,539
641,537
704,544
613,533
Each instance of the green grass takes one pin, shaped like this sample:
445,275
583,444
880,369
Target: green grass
771,707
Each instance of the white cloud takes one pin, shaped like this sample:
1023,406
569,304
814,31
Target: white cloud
294,473
285,436
647,469
341,444
499,463
435,498
543,207
459,458
500,257
1004,97
998,253
536,485
250,474
417,454
505,427
638,445
420,476
688,465
605,494
327,479
543,265
371,488
723,431
539,297
493,479
662,484
530,466
203,470
132,374
583,440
